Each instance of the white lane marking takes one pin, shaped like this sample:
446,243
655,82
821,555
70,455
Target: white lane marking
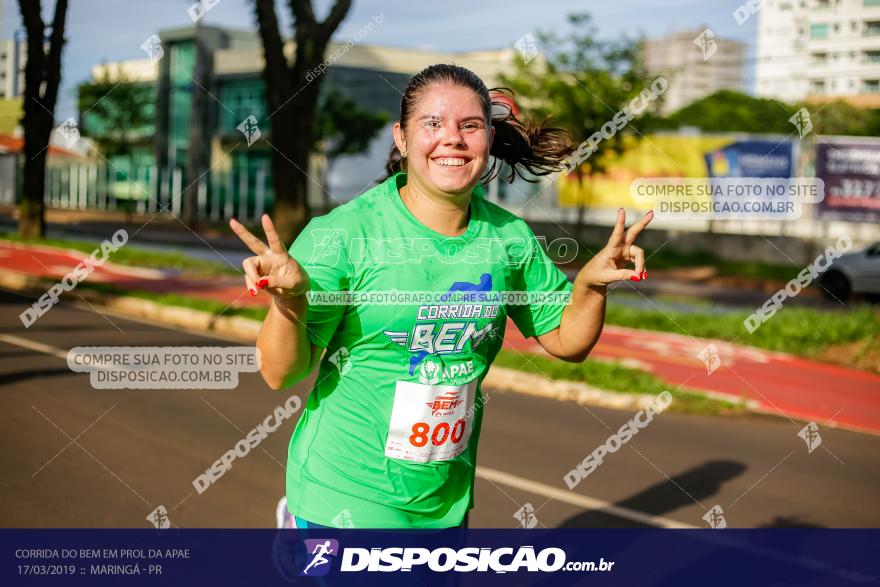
34,346
487,473
576,499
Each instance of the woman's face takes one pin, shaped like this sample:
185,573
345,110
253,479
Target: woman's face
446,140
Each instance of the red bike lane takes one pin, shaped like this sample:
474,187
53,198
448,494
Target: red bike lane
828,394
779,383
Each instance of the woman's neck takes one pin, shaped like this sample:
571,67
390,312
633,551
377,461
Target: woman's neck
447,215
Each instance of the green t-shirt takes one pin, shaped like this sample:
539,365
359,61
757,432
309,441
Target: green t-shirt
388,438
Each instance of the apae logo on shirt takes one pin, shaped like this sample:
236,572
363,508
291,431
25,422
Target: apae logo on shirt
432,371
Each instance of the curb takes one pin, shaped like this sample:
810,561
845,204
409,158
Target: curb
246,330
235,327
505,379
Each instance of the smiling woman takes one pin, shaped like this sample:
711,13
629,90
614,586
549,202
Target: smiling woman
444,97
389,435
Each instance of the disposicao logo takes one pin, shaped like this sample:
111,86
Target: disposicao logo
318,551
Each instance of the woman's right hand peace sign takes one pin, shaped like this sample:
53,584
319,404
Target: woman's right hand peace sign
273,269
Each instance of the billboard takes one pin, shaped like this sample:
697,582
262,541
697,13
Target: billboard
851,172
656,155
667,155
752,158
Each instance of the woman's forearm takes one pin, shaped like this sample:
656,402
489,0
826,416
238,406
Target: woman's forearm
582,320
581,323
285,350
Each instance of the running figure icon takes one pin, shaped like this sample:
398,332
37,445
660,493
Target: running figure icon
319,551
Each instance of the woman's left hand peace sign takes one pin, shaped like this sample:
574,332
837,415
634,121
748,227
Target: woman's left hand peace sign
609,264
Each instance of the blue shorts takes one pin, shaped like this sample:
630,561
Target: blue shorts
303,524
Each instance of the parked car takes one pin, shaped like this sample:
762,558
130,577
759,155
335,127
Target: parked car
854,273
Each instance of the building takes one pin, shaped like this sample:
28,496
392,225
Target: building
819,50
13,56
239,179
693,72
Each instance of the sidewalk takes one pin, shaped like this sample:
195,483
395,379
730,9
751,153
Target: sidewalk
782,384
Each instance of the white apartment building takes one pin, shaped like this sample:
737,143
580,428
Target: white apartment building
12,86
819,49
692,72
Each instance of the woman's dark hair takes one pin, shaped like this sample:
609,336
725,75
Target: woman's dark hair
523,145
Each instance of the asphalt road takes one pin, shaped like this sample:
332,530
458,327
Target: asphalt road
74,456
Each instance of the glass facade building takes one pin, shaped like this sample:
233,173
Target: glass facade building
234,178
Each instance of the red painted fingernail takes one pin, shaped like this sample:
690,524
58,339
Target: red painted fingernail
262,283
645,274
253,292
635,278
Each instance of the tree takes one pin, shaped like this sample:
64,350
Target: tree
292,92
42,76
842,118
343,128
729,110
115,112
581,81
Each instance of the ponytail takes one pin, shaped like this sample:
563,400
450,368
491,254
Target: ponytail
525,146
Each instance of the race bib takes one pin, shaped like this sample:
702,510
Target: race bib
430,422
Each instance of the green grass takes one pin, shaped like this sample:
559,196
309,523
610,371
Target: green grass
603,375
607,376
178,300
612,377
667,258
800,331
133,256
670,258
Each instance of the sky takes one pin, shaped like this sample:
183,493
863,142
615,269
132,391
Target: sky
113,30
